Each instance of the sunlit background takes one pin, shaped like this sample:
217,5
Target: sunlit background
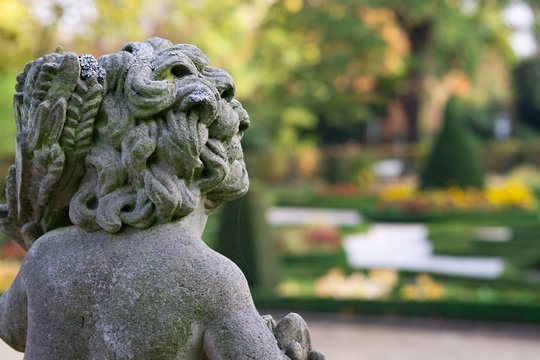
394,152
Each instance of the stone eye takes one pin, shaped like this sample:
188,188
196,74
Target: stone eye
244,125
180,71
227,93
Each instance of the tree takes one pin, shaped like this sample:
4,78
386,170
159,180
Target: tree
17,31
329,61
321,72
440,41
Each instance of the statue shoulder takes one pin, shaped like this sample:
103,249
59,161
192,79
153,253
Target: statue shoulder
55,242
227,279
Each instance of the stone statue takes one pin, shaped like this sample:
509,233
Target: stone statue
118,163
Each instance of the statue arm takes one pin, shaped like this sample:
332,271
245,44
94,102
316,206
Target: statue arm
241,336
235,330
239,332
13,315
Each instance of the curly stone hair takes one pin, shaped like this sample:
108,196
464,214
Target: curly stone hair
138,137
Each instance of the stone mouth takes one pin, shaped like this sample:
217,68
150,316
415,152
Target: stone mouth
235,185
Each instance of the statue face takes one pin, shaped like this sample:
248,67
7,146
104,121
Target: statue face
229,128
204,107
205,97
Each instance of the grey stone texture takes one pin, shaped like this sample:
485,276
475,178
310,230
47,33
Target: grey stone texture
119,162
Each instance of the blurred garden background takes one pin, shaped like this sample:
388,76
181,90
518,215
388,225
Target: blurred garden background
394,151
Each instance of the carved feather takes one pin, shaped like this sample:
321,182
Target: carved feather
54,112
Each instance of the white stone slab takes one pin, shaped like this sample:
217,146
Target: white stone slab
290,216
406,247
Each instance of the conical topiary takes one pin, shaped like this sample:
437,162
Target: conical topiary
454,158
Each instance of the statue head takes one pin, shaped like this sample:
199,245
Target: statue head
135,138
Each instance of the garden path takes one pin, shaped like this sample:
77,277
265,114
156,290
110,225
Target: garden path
390,338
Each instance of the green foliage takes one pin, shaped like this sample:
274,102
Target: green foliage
244,237
7,121
454,160
322,58
346,166
314,266
20,35
481,121
304,196
307,71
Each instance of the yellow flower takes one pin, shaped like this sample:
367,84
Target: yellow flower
386,277
396,193
511,194
8,271
424,288
423,279
288,289
434,291
408,292
336,284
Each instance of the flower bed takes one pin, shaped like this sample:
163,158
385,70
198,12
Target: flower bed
380,291
508,196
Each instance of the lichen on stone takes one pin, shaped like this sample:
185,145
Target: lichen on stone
90,67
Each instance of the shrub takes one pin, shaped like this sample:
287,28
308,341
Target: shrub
454,159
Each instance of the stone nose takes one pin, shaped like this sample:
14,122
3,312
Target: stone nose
202,102
201,95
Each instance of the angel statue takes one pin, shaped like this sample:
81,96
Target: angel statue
119,161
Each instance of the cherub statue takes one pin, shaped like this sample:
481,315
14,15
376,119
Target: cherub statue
119,162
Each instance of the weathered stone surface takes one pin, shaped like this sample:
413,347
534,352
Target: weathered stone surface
119,162
292,335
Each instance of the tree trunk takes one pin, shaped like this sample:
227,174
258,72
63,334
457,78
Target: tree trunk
410,101
419,36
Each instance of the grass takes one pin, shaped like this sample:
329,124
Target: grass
313,266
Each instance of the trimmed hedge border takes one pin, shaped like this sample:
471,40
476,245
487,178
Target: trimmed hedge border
442,309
